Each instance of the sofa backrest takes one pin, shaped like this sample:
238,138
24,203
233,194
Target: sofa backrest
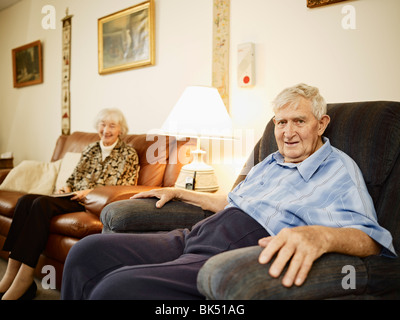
160,157
369,132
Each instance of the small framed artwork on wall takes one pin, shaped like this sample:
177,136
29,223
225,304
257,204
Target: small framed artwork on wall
27,64
126,38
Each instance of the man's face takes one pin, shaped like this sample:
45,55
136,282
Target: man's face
298,132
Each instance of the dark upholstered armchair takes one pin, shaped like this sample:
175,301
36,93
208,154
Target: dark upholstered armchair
369,132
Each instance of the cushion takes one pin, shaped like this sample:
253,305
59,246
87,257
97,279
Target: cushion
32,176
68,164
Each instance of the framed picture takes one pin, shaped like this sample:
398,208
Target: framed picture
319,3
27,64
126,38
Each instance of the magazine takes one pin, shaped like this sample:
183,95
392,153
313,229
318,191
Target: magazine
65,194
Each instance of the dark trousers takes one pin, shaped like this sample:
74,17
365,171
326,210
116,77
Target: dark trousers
153,266
30,227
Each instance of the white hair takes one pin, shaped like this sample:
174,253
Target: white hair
115,115
292,95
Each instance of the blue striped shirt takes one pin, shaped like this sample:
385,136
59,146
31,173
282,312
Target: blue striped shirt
325,189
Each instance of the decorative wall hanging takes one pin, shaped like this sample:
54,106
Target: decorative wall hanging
221,34
27,64
66,75
319,3
126,39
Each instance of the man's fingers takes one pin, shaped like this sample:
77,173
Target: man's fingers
293,270
272,246
292,247
163,200
303,272
144,194
263,242
282,258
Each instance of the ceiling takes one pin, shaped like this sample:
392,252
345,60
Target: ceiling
7,3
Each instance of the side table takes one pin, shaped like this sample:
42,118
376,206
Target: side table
6,163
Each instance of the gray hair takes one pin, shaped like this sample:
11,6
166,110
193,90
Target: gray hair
115,115
292,97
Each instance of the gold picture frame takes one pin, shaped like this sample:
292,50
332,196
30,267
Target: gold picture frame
27,64
126,39
319,3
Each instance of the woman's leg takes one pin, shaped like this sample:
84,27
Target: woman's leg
22,281
30,227
27,238
10,274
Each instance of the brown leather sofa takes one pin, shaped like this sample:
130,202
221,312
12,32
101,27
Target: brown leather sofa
66,230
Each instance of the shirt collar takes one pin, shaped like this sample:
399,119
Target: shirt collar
310,165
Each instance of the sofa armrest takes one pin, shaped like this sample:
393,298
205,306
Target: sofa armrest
3,174
237,274
101,196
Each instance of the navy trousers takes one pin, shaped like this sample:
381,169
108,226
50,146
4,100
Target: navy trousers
154,266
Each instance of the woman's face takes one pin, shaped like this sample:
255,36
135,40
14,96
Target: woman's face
109,131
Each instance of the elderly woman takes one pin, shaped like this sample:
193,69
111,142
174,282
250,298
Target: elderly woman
108,161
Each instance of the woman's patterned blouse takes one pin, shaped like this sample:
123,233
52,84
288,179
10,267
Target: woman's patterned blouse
121,167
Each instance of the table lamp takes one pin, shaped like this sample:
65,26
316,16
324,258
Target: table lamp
199,113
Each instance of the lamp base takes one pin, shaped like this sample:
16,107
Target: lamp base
200,173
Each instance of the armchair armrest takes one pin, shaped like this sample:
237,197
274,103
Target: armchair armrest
237,274
101,196
3,174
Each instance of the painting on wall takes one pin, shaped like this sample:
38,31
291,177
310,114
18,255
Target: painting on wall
27,64
319,3
126,39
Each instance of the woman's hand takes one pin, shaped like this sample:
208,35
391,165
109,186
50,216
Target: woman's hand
65,189
81,195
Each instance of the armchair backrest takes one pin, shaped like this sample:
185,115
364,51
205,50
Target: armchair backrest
369,132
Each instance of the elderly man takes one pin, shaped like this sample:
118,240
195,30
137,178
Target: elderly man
305,200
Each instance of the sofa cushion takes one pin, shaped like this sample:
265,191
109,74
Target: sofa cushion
32,177
68,164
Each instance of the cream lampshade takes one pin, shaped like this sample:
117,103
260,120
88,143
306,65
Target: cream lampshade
199,113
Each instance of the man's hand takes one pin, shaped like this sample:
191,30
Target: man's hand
164,195
303,245
205,200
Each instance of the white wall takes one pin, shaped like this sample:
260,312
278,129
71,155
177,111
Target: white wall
31,116
296,44
293,44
